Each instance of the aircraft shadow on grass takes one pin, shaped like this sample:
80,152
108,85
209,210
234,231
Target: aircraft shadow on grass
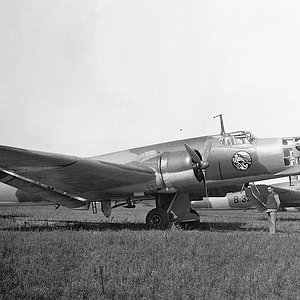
20,224
11,216
224,226
44,225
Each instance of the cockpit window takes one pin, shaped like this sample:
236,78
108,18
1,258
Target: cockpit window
292,142
288,141
238,138
291,149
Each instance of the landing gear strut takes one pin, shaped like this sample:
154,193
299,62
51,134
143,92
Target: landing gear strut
161,216
192,224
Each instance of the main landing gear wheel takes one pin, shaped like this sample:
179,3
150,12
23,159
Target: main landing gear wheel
158,218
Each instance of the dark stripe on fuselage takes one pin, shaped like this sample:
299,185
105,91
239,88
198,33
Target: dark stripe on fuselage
220,171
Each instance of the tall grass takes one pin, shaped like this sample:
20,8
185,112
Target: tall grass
227,260
149,265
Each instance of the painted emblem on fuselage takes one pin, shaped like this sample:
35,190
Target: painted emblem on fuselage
241,160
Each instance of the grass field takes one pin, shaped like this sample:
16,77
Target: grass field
65,254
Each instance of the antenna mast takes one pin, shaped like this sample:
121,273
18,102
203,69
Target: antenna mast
222,124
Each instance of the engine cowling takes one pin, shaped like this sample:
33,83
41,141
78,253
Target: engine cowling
175,170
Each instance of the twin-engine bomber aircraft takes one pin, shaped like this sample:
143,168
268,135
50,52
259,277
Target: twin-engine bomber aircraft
173,173
254,197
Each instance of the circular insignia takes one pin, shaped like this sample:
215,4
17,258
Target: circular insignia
241,160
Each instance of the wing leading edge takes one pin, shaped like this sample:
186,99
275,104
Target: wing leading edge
71,179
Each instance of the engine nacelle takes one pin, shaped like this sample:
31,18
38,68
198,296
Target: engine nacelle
174,170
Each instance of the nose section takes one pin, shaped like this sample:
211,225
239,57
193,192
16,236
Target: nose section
291,151
270,154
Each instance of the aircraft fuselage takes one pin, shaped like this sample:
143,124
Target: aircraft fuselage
235,158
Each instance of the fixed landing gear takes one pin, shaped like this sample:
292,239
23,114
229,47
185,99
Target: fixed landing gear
158,218
192,224
161,217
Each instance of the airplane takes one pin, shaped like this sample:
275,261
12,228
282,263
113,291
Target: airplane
172,173
254,197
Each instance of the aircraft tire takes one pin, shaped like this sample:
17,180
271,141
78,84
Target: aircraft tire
157,218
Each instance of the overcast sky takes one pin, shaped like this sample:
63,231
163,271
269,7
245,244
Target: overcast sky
90,77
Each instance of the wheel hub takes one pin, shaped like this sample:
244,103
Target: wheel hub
156,220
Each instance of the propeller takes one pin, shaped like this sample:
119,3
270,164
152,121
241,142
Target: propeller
199,163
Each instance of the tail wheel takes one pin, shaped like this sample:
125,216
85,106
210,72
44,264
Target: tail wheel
157,218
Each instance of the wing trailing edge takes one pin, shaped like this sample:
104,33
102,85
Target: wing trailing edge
82,178
41,190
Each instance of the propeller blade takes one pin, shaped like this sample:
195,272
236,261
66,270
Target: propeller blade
204,183
207,151
193,154
200,165
204,164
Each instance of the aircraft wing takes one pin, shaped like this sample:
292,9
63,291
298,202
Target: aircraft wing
71,178
256,199
289,194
